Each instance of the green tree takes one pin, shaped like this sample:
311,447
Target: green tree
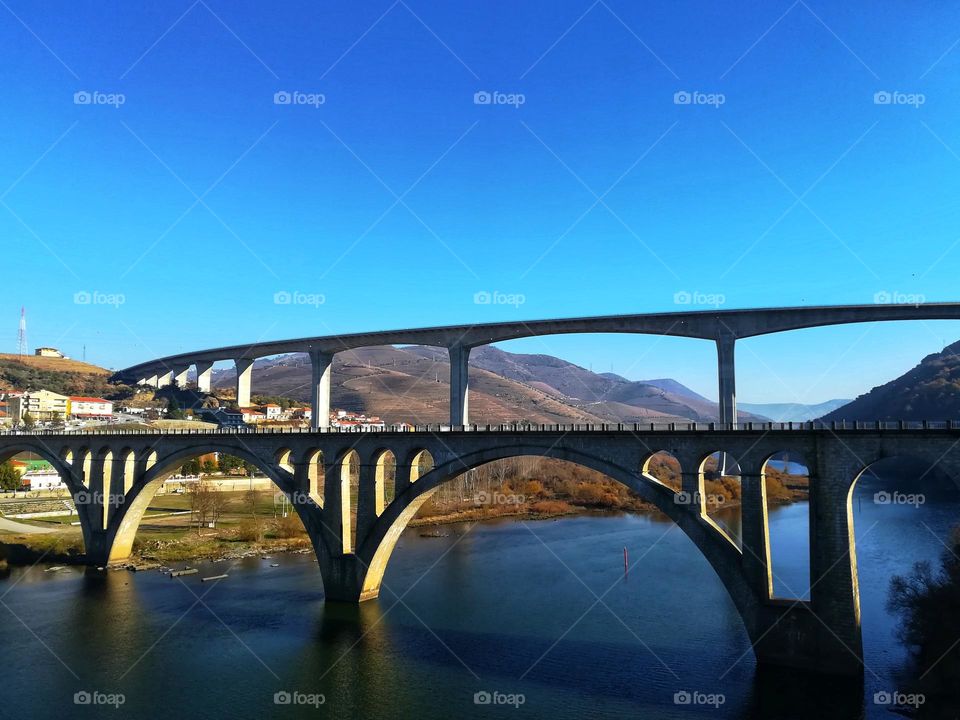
173,410
9,476
29,422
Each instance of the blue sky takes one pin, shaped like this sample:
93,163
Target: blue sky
182,198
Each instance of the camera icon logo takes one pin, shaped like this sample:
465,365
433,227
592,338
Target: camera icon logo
82,97
282,297
482,298
82,698
82,297
482,698
682,697
482,97
282,97
682,97
282,698
882,98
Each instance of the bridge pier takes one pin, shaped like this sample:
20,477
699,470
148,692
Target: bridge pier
180,376
164,379
459,384
204,376
321,364
244,368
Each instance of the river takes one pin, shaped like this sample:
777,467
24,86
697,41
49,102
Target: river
539,612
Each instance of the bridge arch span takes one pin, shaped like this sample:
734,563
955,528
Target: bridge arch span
122,527
377,548
60,463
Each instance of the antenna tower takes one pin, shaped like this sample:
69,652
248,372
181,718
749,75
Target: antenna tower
22,334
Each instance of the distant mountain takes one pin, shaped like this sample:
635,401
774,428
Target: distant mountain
411,383
792,412
930,391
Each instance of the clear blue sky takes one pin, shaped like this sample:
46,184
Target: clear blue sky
798,189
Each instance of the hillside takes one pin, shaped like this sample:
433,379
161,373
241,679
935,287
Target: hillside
411,383
67,377
930,391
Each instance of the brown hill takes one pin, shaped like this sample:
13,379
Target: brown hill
930,391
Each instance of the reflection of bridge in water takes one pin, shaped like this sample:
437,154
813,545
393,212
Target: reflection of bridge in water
340,485
354,525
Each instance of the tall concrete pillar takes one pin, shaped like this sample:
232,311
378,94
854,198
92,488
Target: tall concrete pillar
151,381
726,372
244,375
180,376
459,384
204,375
322,366
369,505
164,379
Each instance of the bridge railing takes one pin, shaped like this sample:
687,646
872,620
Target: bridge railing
832,426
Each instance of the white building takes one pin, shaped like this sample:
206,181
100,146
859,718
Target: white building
90,407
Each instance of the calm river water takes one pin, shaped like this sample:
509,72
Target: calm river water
538,609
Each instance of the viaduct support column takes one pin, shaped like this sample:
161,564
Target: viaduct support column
164,379
459,384
726,372
204,376
180,376
322,366
244,374
727,376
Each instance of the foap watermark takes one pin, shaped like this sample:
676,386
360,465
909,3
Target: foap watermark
95,97
899,699
695,498
95,697
295,297
695,97
495,97
483,297
895,97
295,697
95,497
498,498
895,297
695,697
685,297
97,297
296,97
895,497
495,697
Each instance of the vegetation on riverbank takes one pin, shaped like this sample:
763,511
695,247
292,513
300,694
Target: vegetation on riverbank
928,603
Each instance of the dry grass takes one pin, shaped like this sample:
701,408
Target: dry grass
56,364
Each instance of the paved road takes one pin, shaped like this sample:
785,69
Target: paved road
22,528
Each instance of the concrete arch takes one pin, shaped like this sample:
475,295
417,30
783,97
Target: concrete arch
724,558
126,470
83,461
312,460
711,473
284,458
384,479
662,458
420,462
62,465
122,531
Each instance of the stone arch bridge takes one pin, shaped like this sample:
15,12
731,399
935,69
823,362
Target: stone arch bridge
113,475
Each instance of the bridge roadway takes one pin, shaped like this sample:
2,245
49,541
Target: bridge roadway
339,484
723,327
